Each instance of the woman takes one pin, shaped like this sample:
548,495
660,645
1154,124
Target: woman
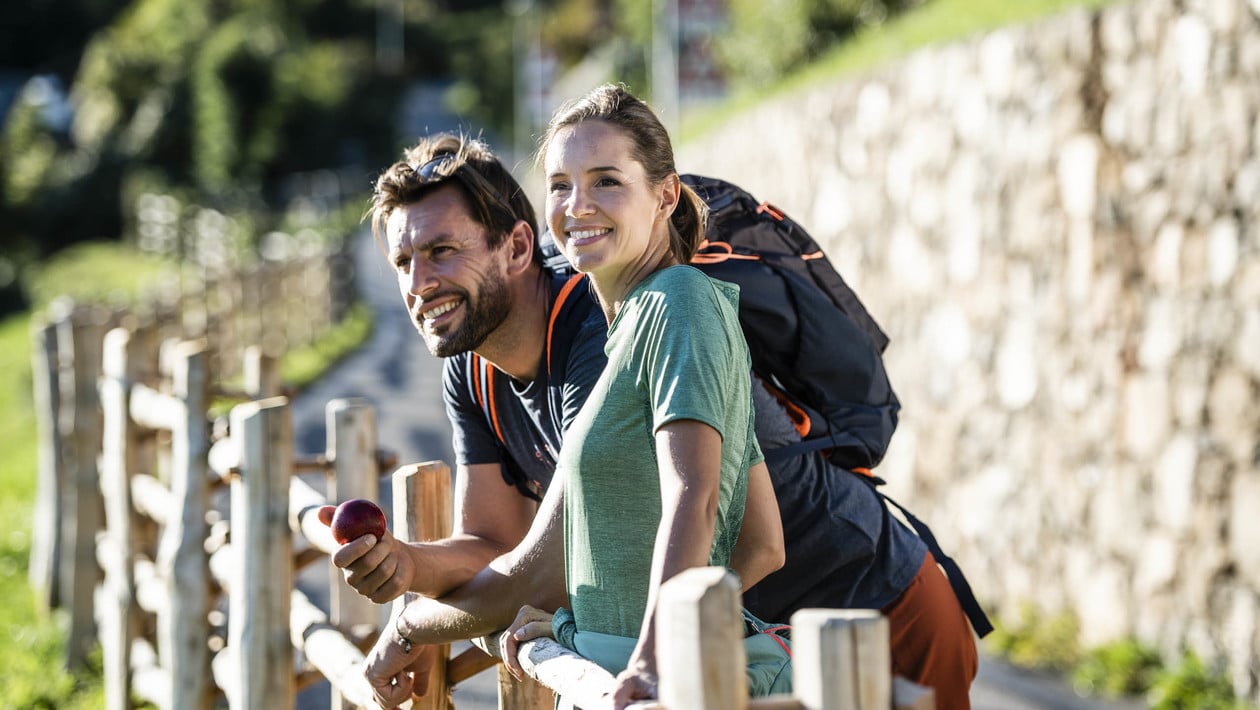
656,465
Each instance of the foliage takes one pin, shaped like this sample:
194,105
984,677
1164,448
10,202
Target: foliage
1124,667
99,272
302,366
223,100
48,36
1037,642
1192,686
933,22
768,40
479,54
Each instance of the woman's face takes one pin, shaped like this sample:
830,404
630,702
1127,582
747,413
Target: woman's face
601,207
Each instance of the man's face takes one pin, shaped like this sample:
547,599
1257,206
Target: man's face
453,285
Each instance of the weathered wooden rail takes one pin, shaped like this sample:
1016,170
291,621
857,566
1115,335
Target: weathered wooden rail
840,658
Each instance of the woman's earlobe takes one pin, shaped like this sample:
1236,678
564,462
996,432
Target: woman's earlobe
671,194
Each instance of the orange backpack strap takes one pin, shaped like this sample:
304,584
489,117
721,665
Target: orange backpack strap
483,371
561,297
483,386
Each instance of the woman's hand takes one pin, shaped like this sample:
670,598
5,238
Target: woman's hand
531,623
636,682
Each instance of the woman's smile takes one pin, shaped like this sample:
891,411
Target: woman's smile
582,237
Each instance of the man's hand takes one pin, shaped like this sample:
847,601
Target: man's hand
394,675
380,570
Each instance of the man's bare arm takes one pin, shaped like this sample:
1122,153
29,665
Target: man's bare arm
491,517
531,573
760,549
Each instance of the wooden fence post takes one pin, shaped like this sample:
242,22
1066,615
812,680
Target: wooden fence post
262,574
351,427
841,659
46,540
422,511
182,562
261,373
118,458
699,641
79,338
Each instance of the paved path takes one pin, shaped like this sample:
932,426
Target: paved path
395,372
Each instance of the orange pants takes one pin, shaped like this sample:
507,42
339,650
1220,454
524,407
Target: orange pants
932,641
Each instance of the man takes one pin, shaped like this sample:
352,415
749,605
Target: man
522,352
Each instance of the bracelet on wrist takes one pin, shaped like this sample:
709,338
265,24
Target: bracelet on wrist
403,641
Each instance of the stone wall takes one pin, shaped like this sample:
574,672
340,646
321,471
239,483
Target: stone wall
1059,226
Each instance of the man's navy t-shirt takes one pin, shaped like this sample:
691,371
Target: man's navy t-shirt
532,416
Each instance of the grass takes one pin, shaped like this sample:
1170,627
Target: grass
32,642
932,23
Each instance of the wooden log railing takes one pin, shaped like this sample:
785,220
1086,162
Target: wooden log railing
840,658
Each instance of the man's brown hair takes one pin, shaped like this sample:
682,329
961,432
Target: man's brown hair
493,197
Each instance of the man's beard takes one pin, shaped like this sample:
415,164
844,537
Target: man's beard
480,318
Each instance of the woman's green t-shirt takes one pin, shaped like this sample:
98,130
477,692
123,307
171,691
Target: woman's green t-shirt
675,351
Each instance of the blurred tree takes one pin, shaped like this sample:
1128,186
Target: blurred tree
770,38
48,36
220,100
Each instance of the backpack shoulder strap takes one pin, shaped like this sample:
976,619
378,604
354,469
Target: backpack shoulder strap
483,386
957,580
483,372
562,299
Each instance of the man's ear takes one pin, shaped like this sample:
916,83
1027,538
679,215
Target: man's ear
520,246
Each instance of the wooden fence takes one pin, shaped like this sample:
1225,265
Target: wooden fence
201,528
189,589
300,300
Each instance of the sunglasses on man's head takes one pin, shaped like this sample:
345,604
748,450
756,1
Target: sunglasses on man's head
426,172
473,179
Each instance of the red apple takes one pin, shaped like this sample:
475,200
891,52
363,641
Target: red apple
356,518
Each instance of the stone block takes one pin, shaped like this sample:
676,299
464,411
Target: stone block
1101,603
1244,525
1078,176
1116,516
1247,343
1247,185
1117,32
1173,484
1146,415
1191,44
1164,266
1157,565
1241,631
1222,251
1161,336
1191,374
